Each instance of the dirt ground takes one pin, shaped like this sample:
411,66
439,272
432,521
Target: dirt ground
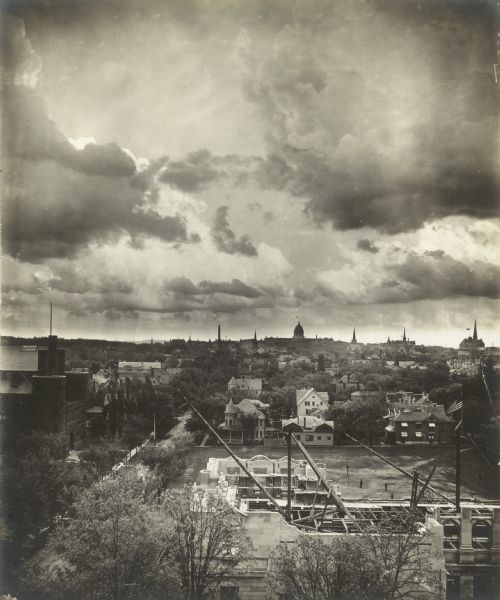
367,474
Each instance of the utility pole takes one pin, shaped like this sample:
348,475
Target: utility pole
154,429
289,477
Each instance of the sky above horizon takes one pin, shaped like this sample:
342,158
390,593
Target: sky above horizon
173,164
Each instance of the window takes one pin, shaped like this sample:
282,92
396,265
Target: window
404,434
432,424
233,470
451,535
297,436
404,424
328,437
481,535
3,417
318,437
229,592
418,434
260,471
309,438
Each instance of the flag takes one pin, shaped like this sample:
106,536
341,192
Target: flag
455,406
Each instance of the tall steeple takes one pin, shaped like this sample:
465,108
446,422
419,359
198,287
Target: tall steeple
354,341
475,331
255,336
404,334
218,333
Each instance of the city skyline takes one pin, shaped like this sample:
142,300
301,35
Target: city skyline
172,165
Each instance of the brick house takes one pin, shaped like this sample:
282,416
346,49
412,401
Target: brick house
419,424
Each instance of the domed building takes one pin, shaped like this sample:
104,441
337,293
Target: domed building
298,332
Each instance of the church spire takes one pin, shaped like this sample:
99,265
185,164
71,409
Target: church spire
354,341
404,334
475,330
255,336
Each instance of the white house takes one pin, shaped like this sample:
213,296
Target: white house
311,402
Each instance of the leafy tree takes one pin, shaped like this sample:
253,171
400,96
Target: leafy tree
206,544
109,549
40,484
101,457
167,461
211,408
135,430
384,563
363,419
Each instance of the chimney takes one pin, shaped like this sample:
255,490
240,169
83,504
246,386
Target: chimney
52,366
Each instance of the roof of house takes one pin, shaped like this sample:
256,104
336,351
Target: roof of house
248,408
19,358
260,405
124,364
302,395
310,423
231,408
249,384
433,413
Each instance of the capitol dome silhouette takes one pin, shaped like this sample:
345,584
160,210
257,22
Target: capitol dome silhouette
298,332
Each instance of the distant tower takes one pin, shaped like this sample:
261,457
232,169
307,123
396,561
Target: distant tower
255,336
404,334
354,341
475,331
218,333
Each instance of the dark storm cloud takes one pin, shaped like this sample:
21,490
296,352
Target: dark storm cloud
30,133
59,199
438,276
234,287
51,211
193,173
68,278
200,169
367,246
185,287
399,131
225,239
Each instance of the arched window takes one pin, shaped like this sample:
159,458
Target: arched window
481,534
451,535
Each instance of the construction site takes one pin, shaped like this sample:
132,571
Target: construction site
283,498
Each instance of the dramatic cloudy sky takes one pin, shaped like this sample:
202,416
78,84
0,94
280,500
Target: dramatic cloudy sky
174,163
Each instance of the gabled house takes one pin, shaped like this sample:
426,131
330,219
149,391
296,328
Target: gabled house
311,402
310,430
251,386
244,423
418,424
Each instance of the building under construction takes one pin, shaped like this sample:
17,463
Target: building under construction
281,499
